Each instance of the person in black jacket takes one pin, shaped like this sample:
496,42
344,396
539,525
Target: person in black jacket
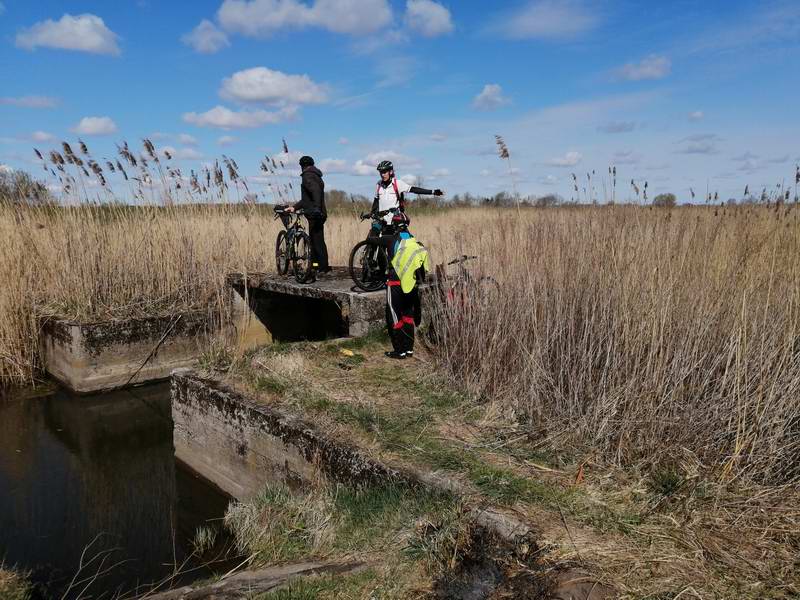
312,201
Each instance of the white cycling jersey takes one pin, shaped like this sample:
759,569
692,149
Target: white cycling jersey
390,196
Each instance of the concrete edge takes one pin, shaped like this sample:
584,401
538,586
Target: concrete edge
348,463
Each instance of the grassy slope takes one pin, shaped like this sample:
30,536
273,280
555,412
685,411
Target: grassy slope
662,532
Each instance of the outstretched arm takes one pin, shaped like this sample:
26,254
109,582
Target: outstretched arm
425,192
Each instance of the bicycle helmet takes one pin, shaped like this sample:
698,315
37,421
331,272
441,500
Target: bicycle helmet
385,165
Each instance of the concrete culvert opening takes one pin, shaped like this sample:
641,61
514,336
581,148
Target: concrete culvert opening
296,318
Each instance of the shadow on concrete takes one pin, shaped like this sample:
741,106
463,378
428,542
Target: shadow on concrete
295,318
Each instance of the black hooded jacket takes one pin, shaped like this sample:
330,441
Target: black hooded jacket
312,193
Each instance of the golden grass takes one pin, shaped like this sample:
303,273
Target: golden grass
115,261
628,330
638,333
13,586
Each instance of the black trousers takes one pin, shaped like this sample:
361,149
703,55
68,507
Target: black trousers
319,250
402,314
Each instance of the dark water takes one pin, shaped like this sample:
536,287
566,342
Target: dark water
94,481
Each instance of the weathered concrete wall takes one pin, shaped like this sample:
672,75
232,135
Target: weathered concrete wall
88,357
240,444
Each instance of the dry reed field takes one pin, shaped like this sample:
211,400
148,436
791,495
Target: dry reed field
94,263
645,334
665,341
625,329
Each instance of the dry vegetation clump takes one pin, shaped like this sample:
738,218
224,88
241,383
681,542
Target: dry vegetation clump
641,333
13,586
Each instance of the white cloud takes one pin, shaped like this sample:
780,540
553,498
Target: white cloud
187,140
626,157
653,66
546,20
181,153
227,140
42,136
6,169
779,160
441,173
225,118
206,38
95,126
260,84
490,98
363,168
260,18
368,165
699,148
570,159
83,33
548,180
344,141
428,17
696,115
749,166
618,127
437,137
485,173
333,165
2,8
700,143
29,101
399,160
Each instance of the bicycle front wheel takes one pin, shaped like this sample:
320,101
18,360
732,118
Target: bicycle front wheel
301,258
282,253
367,264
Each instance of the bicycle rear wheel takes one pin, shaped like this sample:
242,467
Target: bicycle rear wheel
301,258
367,264
282,253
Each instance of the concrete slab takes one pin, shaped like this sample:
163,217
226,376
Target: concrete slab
92,356
329,307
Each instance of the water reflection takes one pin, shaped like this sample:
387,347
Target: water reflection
96,475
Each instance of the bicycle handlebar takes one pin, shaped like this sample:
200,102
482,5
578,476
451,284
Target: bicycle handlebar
283,211
377,215
461,259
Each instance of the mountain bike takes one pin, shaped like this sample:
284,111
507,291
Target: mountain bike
463,288
293,247
460,296
368,261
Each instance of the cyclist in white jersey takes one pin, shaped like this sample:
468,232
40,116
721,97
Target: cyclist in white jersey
391,191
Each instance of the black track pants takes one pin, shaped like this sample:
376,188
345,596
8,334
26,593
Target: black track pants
319,250
400,311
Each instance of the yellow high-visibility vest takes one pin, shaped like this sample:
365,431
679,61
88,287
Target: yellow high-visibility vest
410,256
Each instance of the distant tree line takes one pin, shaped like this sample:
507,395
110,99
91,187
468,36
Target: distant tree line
18,187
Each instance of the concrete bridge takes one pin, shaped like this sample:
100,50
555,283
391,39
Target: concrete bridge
328,308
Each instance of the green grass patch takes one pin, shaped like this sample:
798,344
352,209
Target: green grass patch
327,586
270,383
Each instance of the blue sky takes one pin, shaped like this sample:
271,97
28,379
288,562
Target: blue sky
679,94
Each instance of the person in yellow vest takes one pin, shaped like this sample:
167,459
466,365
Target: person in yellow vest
408,262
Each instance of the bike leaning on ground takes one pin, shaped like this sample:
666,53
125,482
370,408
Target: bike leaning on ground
293,246
368,261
